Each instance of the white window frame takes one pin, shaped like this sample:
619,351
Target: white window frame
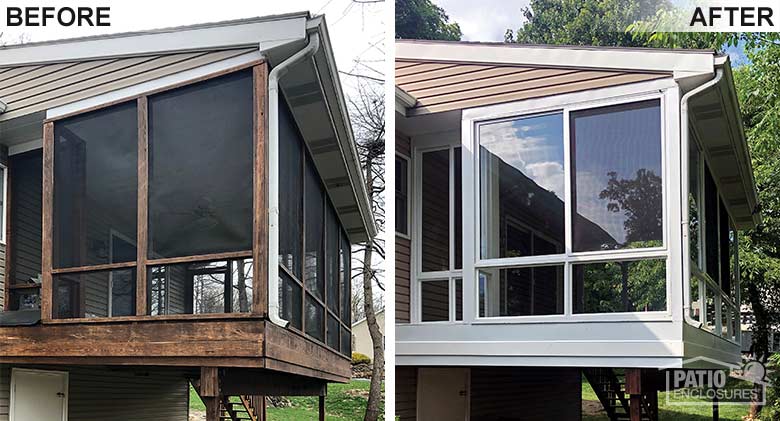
666,91
452,274
409,195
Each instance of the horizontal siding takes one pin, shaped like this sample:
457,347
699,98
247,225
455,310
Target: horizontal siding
31,89
402,279
527,393
406,393
442,87
122,394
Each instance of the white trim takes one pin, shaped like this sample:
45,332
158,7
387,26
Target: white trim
267,33
25,147
681,63
65,378
153,85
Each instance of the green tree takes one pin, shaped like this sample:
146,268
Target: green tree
583,22
421,19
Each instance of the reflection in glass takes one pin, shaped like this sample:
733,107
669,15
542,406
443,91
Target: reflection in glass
616,180
522,187
435,300
626,286
95,179
94,294
694,223
435,222
200,288
458,299
527,291
457,217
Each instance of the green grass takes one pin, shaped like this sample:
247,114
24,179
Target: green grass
345,402
669,412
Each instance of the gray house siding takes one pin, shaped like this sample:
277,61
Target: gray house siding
116,394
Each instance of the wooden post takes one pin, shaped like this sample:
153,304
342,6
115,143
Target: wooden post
143,207
212,408
715,407
322,408
46,222
209,382
260,193
634,389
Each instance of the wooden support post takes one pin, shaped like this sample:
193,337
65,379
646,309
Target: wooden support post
261,409
212,408
322,408
715,407
634,389
209,382
46,223
260,194
143,207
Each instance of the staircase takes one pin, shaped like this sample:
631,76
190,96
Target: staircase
238,408
610,388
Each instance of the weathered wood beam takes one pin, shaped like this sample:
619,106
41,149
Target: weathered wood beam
260,193
46,222
209,382
143,206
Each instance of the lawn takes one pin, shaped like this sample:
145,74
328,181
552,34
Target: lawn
345,402
667,412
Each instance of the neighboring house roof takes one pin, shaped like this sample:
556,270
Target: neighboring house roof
447,76
56,77
363,320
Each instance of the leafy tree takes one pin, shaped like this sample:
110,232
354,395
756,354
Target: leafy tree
421,19
583,22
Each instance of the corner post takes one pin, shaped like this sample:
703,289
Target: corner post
322,408
143,207
634,389
260,192
46,222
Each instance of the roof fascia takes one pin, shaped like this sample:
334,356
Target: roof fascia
681,63
403,100
266,34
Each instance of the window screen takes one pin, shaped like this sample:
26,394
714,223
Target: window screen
95,186
521,184
333,257
291,189
315,318
94,294
617,177
313,267
200,168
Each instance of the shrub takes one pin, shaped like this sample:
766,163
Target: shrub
358,358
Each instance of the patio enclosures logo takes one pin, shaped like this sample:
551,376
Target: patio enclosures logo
721,383
64,16
714,16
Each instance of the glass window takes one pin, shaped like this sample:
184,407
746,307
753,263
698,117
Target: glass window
291,184
200,288
458,299
616,180
711,226
625,286
724,246
200,168
435,299
694,222
733,267
709,304
695,299
525,291
95,185
313,268
724,318
435,242
521,185
401,195
315,319
457,221
93,294
291,300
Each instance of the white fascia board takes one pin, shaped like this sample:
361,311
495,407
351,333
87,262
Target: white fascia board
682,63
153,85
266,34
538,361
403,100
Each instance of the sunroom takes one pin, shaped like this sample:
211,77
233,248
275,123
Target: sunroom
559,236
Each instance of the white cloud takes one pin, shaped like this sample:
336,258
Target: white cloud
484,20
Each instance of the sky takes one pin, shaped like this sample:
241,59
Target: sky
484,20
357,30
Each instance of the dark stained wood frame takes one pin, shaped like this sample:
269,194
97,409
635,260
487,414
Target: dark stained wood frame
259,250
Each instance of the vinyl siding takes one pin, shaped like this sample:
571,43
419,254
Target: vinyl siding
122,394
442,87
405,393
30,89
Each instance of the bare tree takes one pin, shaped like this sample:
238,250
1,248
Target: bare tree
368,118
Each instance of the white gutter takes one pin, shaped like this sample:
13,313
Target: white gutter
273,173
684,141
3,107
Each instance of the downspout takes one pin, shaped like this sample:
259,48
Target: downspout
684,141
3,107
273,173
